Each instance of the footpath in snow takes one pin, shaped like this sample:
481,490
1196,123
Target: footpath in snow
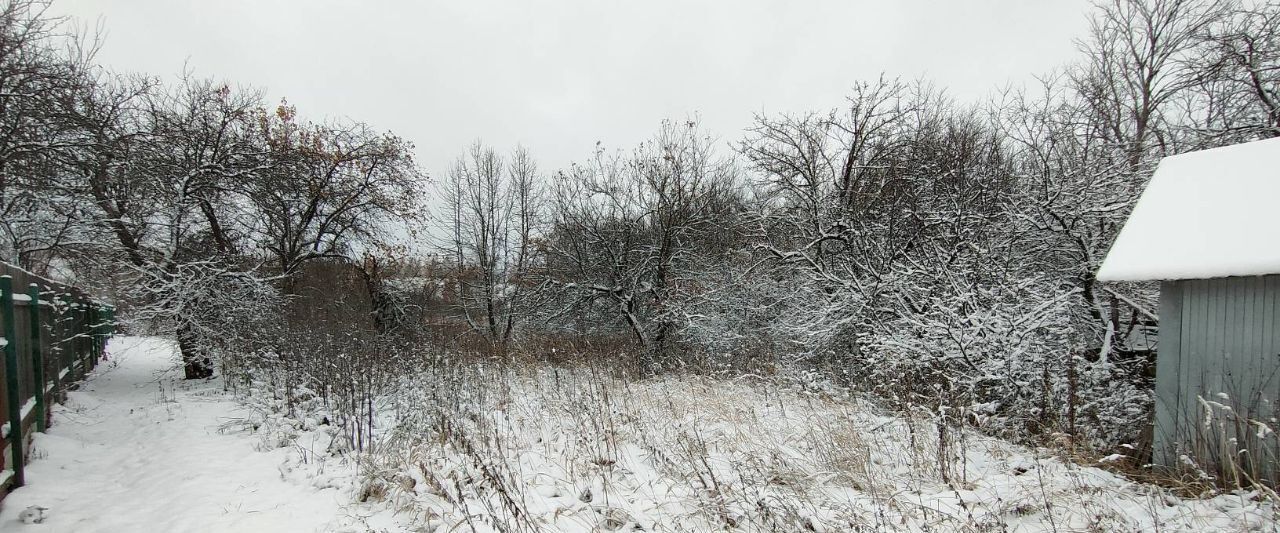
139,449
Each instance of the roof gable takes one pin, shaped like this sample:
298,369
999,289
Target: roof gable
1207,214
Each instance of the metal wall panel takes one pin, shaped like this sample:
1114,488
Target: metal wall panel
1218,372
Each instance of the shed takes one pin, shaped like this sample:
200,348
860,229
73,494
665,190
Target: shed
1207,228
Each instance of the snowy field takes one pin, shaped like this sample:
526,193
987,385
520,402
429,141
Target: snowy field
536,448
511,447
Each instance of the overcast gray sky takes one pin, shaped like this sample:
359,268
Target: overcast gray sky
558,76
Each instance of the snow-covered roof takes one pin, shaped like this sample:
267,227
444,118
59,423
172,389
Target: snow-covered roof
1207,214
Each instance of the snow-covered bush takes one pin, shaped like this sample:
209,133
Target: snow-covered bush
910,259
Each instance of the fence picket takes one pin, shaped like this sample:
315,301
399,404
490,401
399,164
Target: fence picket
37,359
63,337
14,434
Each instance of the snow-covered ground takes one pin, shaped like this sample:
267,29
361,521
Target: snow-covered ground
579,449
139,449
476,446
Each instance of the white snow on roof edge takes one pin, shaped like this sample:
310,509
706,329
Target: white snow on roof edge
1206,214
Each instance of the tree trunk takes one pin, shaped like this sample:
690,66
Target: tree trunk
196,363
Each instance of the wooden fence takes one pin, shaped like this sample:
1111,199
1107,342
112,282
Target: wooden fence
53,335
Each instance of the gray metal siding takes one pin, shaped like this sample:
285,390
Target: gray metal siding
1168,370
1218,345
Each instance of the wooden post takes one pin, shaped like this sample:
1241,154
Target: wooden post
11,379
37,358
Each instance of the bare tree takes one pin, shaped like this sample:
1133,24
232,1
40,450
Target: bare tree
198,148
1237,75
1136,65
99,166
625,230
327,187
492,208
37,70
160,169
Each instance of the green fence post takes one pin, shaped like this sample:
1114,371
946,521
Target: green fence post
104,332
37,358
108,326
59,314
92,340
56,352
70,330
101,345
95,345
90,322
11,378
83,341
